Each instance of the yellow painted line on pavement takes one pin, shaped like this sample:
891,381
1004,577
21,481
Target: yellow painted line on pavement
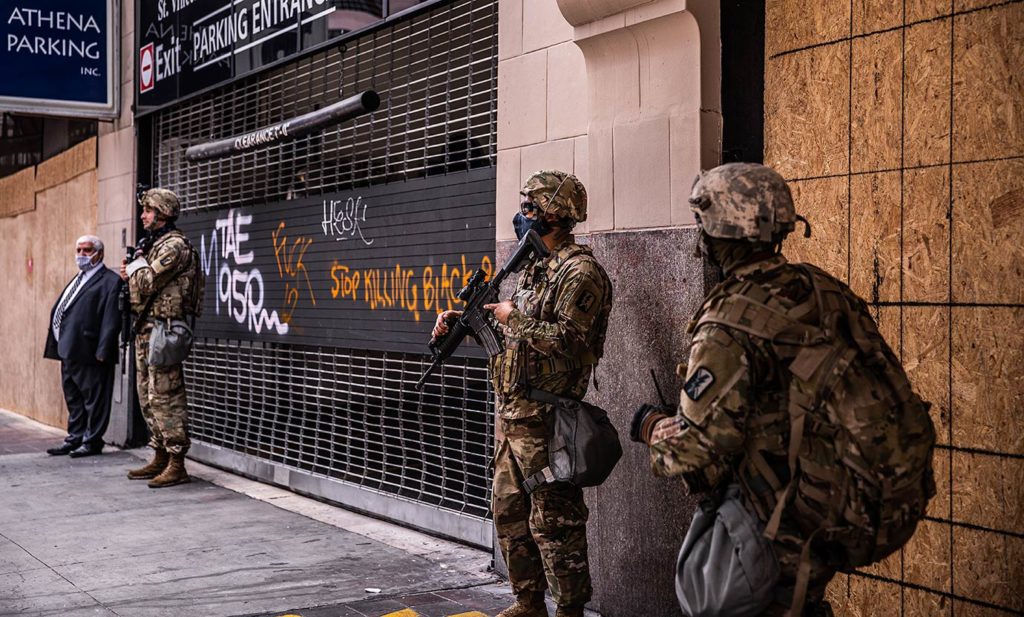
408,612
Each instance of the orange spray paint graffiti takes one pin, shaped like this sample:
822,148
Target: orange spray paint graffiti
289,264
399,287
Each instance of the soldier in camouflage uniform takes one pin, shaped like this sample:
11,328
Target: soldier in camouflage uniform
164,266
554,330
733,423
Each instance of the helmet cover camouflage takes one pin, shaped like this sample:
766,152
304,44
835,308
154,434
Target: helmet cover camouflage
558,193
743,201
163,201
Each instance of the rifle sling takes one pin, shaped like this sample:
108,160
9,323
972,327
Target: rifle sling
543,396
144,313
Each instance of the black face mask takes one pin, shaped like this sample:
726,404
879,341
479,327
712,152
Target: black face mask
523,225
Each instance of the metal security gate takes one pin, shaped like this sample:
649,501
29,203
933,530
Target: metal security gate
281,385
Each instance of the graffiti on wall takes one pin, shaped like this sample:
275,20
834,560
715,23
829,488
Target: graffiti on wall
404,288
366,269
240,291
343,219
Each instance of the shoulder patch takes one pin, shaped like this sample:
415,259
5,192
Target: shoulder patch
698,383
586,301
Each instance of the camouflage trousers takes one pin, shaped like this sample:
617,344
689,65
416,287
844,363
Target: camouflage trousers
162,399
543,536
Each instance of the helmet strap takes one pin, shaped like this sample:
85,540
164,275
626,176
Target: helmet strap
807,226
551,198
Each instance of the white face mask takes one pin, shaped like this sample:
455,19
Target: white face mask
83,261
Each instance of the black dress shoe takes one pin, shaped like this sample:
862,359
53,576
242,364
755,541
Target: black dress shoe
84,450
65,448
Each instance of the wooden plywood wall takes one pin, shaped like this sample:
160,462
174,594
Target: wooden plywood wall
47,208
901,128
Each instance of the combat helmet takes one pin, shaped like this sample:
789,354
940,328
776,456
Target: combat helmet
744,201
558,193
163,201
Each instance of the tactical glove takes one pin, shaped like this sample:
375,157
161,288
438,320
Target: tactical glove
644,420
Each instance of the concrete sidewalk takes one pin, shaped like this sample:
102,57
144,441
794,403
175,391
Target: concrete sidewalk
77,538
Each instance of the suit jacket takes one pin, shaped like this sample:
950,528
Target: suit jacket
91,323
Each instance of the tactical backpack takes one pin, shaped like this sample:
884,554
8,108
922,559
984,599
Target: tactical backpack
860,440
197,285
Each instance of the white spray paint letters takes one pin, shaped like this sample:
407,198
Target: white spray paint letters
240,291
342,219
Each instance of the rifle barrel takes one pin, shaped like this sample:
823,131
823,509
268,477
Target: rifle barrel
429,371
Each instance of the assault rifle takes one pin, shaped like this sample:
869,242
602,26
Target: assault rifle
476,294
124,304
124,298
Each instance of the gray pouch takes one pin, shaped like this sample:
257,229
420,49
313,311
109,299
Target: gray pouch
726,567
169,342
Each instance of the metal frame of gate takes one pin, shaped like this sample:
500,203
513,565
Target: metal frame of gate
330,422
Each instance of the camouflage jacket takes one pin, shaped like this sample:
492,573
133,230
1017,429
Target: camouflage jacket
555,335
169,259
736,390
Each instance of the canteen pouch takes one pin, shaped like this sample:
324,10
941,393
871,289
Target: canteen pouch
170,342
726,566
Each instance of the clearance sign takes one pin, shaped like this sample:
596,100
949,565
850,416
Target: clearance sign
59,57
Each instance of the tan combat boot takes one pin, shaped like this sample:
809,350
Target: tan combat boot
174,473
528,604
569,611
153,469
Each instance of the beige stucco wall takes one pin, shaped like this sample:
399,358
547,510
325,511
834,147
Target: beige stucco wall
626,95
116,169
616,92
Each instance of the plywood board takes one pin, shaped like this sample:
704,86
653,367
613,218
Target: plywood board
807,112
966,5
988,378
926,235
967,609
875,122
18,190
989,491
793,24
838,594
924,604
988,567
871,598
919,10
988,223
926,360
988,92
926,89
823,203
875,236
874,15
890,567
927,556
66,165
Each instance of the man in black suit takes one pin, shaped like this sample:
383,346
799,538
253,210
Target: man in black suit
84,326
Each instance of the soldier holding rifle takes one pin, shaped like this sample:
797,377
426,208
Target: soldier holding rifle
554,332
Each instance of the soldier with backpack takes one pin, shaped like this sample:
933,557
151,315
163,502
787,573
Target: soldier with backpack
165,284
795,416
